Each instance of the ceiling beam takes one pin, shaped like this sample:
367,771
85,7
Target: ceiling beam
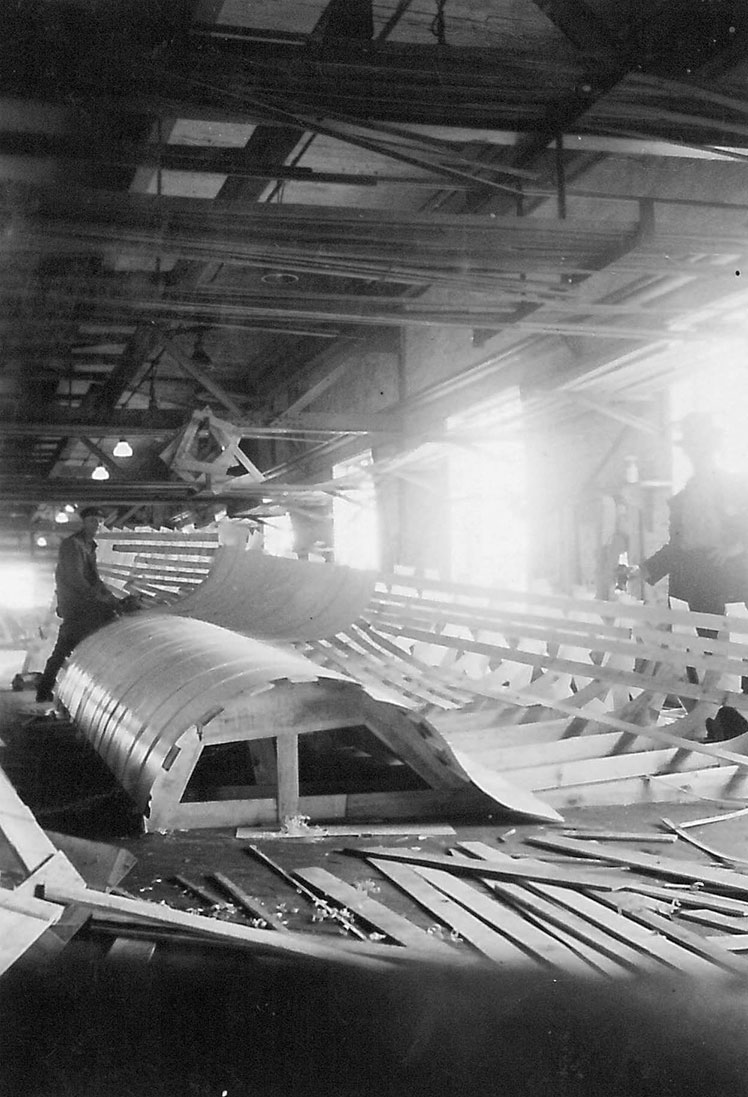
188,366
103,397
147,424
64,422
105,458
193,158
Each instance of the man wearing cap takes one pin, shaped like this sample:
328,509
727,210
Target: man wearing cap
83,601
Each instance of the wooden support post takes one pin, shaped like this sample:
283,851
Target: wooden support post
288,775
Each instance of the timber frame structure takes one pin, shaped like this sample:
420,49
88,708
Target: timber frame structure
532,702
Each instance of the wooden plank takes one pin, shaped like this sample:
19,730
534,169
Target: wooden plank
248,903
665,788
194,887
730,943
292,945
684,897
514,869
715,919
471,929
721,879
700,946
361,830
615,935
376,915
506,921
301,889
545,753
24,920
287,755
592,835
608,768
21,830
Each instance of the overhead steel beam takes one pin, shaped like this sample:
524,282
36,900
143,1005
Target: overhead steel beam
149,425
103,397
64,422
192,158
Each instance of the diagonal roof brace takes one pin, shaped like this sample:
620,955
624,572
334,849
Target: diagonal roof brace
185,363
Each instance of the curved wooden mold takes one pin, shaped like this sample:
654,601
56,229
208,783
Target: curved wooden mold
166,701
545,701
217,576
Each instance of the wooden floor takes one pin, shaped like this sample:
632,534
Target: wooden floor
571,951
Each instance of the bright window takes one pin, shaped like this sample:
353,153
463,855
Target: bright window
278,535
487,494
354,515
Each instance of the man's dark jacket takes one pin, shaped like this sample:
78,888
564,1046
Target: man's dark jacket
80,591
694,578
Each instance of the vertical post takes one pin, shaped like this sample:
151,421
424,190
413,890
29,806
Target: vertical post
560,177
288,775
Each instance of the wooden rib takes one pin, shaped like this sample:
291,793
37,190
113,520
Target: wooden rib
597,770
680,650
573,667
615,611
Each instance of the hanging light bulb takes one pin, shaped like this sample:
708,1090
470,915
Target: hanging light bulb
122,449
41,540
69,508
101,472
61,517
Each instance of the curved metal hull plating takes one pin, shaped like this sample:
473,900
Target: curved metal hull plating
221,579
274,598
138,686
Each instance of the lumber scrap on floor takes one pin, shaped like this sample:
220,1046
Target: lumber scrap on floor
609,931
375,914
291,945
543,946
521,868
495,947
720,879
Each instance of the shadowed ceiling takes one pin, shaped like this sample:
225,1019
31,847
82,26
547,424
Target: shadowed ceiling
211,204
